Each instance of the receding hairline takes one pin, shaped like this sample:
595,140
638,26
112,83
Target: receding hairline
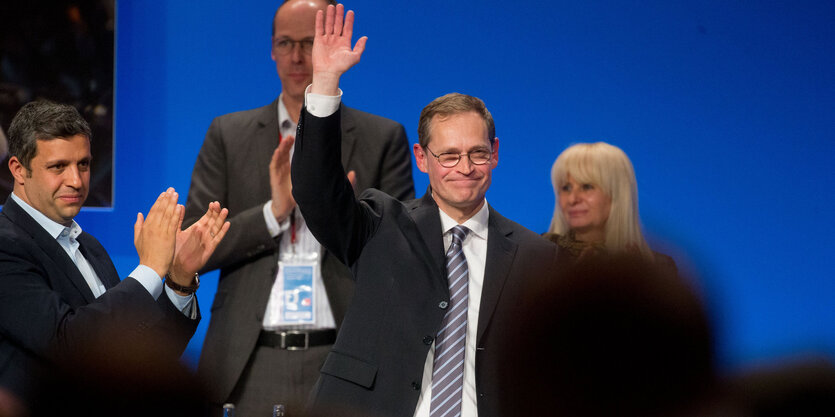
326,3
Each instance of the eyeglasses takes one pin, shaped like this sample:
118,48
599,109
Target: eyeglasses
451,159
285,46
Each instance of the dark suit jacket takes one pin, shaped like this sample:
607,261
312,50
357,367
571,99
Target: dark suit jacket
48,313
232,168
395,251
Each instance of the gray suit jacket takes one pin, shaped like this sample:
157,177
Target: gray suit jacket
396,252
232,168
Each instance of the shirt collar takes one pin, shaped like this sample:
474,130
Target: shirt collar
54,229
284,120
477,224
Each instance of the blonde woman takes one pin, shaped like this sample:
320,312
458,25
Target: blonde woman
597,204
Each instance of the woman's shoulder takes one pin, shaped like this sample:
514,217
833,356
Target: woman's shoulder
553,237
665,263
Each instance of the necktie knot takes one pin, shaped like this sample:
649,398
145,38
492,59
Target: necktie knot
458,234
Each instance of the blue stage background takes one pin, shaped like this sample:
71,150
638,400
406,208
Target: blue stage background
727,110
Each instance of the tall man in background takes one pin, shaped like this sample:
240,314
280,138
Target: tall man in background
437,278
263,348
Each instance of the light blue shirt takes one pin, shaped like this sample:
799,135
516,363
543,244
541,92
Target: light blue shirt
66,237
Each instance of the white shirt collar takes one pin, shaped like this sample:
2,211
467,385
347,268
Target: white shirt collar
53,228
284,120
477,224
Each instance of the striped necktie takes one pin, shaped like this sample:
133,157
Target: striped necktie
448,364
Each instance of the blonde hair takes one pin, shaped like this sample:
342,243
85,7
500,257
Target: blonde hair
607,167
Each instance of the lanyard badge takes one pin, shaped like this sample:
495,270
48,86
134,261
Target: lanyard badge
293,296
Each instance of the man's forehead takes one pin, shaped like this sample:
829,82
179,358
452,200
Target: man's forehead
445,126
290,17
63,148
291,4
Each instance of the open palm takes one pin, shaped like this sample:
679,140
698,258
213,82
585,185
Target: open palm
332,53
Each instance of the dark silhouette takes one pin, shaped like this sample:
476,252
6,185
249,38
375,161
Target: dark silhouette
610,335
120,379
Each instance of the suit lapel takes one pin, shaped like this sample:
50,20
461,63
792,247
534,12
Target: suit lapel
50,246
264,139
268,123
424,214
348,138
501,250
99,260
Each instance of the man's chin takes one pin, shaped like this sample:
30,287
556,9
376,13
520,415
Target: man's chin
69,213
469,203
295,88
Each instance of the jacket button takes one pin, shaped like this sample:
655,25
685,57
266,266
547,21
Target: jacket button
427,340
415,386
443,305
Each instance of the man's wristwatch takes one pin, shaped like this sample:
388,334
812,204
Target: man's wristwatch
177,287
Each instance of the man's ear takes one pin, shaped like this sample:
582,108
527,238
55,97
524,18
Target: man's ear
19,172
495,160
420,157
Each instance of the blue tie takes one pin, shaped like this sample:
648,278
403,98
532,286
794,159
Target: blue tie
448,364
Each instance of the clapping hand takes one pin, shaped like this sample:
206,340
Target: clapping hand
196,244
281,188
154,236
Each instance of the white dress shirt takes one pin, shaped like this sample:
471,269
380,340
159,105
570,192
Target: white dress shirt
305,243
475,250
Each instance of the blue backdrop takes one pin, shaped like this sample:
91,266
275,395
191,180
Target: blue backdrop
727,110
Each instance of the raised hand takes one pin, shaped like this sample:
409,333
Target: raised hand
280,186
196,244
352,178
332,54
155,236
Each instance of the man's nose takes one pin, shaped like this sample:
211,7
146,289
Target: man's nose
296,53
465,166
72,176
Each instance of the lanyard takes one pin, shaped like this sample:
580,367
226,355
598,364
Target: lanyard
293,228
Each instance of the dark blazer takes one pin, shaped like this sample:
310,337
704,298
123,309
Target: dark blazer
232,168
48,313
395,250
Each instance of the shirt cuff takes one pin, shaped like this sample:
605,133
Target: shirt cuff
319,105
184,303
273,226
149,279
